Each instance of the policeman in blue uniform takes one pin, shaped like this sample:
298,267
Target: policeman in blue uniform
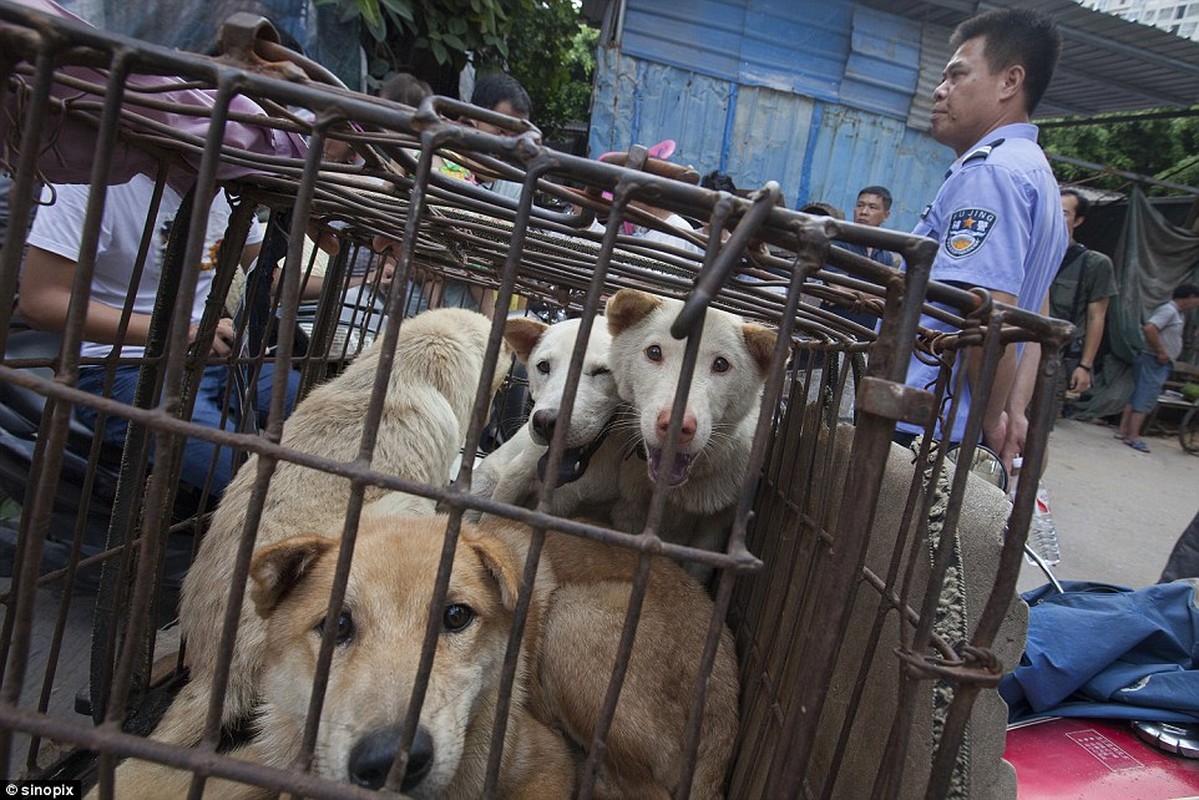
997,217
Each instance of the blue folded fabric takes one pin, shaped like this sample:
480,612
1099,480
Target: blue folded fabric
1099,650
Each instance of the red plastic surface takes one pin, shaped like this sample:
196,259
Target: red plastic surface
1095,759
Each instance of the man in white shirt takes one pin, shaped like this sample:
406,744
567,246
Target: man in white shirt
46,289
1163,343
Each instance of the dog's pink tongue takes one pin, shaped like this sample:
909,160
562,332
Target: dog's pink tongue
680,469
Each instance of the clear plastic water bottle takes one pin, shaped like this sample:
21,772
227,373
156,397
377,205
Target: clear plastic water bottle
1042,533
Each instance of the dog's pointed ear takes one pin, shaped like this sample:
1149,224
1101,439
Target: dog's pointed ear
522,335
503,562
277,569
628,307
760,342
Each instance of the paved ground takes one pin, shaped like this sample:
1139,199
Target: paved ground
1118,512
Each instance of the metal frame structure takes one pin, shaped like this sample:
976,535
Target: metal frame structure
255,127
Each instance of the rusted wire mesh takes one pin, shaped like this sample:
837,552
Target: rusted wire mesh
869,587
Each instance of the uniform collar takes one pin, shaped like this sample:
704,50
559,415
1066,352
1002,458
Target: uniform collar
1015,130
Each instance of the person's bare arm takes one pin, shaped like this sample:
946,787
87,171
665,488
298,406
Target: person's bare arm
45,295
1153,339
1081,380
994,417
249,255
1020,397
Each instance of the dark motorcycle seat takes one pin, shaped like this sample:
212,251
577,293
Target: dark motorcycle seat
21,408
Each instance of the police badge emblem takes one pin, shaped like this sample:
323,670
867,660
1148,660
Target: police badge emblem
968,229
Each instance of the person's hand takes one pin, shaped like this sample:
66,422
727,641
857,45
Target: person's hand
1013,443
324,239
222,341
423,275
1080,380
995,434
1163,357
383,274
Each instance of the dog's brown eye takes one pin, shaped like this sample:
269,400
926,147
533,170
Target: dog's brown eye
543,367
345,627
721,364
653,352
456,617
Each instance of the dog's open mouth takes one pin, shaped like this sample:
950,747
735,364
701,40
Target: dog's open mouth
574,464
680,468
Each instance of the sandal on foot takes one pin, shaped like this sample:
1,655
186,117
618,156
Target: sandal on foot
1138,445
1119,436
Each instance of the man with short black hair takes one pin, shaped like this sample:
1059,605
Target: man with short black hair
1079,294
500,92
997,216
873,208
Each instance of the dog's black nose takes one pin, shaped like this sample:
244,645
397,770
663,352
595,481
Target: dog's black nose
372,757
543,423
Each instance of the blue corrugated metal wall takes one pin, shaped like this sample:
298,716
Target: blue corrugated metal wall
812,95
707,32
777,32
751,42
641,102
883,64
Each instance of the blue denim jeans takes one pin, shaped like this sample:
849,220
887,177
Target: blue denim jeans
199,456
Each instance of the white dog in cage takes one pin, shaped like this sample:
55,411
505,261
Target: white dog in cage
430,394
512,474
620,422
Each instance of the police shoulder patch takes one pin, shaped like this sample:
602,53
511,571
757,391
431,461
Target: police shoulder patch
967,230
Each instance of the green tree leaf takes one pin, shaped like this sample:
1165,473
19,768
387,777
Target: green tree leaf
401,8
372,16
1161,148
541,42
439,52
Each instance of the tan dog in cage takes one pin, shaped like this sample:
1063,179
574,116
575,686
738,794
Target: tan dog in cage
430,394
379,636
576,613
570,644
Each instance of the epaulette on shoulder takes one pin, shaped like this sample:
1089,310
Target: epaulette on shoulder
981,152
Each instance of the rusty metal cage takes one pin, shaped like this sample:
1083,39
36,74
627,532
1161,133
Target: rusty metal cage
870,588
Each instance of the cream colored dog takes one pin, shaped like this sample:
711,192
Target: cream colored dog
437,368
586,481
705,477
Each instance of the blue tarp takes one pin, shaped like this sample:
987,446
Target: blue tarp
1108,651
